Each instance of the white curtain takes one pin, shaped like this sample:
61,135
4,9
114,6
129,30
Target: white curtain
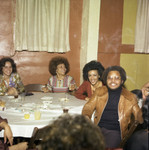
142,27
42,25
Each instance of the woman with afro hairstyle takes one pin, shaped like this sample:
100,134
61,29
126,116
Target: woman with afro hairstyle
92,72
59,82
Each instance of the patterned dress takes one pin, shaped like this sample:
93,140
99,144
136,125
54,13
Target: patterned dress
60,86
14,81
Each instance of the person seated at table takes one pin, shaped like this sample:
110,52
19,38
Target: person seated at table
8,136
138,93
92,73
142,94
114,107
145,90
72,133
59,81
10,81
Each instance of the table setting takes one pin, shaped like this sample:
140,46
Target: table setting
37,110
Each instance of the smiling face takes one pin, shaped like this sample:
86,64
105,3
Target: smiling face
93,76
7,69
61,69
114,80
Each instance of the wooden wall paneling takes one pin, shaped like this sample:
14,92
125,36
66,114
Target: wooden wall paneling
110,33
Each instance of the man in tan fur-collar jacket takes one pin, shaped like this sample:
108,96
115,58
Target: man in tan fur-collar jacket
114,107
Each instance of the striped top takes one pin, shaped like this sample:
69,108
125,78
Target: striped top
60,86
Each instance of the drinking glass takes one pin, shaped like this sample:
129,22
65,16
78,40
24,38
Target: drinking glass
64,106
26,114
66,96
37,114
22,97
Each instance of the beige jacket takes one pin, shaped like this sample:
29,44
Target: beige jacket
127,106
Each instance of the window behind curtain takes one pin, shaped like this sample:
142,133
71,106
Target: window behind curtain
42,25
142,27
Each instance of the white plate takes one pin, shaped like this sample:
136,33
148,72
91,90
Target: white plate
47,102
47,98
11,97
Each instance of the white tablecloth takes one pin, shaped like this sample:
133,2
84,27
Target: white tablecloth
15,109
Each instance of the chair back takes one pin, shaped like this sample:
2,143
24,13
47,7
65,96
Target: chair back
33,88
37,134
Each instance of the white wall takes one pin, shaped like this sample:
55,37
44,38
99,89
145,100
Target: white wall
90,32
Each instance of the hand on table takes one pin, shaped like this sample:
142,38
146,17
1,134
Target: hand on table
12,91
72,87
45,89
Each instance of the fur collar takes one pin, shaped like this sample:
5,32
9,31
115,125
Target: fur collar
101,91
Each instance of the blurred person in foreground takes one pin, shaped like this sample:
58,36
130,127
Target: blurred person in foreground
72,133
59,82
114,107
8,138
10,81
92,73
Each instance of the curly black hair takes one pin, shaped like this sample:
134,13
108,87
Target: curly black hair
114,68
92,65
7,59
73,133
55,61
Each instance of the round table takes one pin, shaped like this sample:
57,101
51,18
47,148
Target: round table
16,107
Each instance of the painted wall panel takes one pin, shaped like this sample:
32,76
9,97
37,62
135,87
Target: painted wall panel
129,21
136,67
